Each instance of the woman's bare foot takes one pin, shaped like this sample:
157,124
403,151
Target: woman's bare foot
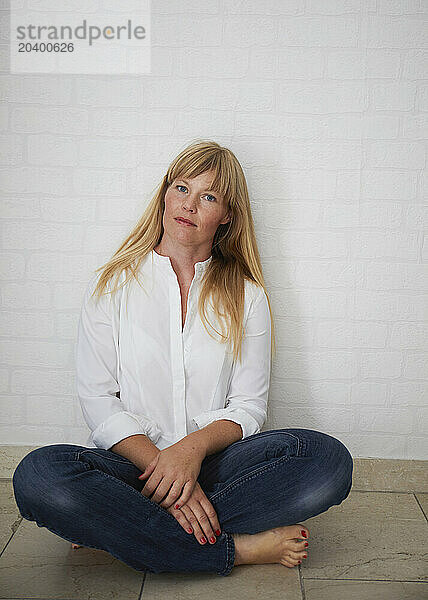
75,546
278,545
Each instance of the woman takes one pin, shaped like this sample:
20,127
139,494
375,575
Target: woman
173,374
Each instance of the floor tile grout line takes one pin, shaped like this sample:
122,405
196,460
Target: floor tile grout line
420,505
361,490
140,595
366,580
302,584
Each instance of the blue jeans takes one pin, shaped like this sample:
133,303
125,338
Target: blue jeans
91,497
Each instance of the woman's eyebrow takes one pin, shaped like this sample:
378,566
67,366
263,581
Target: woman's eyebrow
188,183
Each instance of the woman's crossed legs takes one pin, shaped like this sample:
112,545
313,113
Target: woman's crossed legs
264,484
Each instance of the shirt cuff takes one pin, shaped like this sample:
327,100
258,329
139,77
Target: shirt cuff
120,426
248,424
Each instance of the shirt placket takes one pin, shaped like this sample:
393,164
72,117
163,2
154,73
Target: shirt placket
178,344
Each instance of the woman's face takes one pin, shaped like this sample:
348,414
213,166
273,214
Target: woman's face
192,199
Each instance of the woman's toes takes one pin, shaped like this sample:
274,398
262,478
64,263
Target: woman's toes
296,556
287,563
302,531
300,545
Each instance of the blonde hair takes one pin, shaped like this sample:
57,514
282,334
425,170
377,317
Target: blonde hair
235,256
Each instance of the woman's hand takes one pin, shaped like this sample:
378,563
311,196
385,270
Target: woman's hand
173,473
198,513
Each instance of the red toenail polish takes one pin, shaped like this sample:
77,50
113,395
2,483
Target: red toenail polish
303,533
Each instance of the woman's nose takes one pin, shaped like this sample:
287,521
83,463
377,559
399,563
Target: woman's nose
190,203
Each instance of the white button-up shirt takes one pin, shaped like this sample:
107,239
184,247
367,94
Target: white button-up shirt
172,381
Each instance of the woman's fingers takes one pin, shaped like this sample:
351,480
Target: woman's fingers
210,512
168,493
181,518
200,522
196,512
159,489
200,515
190,511
178,494
185,495
150,487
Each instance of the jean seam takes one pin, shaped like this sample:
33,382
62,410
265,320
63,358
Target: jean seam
248,477
123,461
275,432
260,469
230,555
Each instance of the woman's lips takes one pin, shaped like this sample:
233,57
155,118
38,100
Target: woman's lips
185,223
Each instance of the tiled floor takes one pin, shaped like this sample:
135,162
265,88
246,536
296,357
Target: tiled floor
372,546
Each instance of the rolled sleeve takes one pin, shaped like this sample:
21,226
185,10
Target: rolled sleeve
120,426
247,397
248,424
96,359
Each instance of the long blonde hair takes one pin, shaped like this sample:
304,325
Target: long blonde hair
235,256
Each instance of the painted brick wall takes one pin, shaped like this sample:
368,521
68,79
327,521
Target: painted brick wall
325,103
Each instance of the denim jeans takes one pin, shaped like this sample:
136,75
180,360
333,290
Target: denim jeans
91,496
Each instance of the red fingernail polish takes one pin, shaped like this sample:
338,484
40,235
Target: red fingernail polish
203,540
303,533
218,532
305,556
212,540
306,544
190,530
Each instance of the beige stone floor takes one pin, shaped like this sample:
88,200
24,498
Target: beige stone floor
372,546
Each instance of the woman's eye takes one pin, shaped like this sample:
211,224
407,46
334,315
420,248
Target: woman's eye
210,195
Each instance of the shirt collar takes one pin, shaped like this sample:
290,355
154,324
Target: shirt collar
164,262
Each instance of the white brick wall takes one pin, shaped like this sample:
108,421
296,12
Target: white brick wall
325,103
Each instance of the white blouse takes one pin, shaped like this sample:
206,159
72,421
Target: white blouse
172,381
